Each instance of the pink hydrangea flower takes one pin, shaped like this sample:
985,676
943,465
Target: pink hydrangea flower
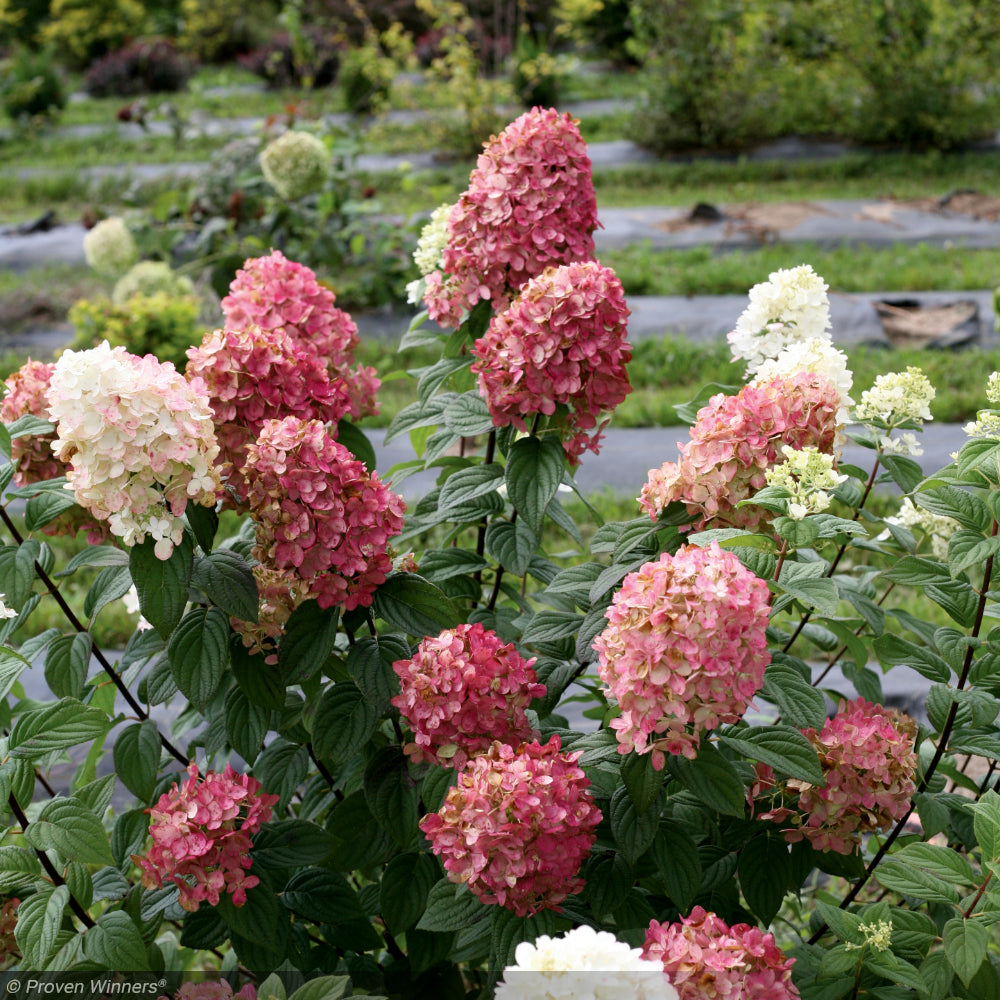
869,764
559,349
201,833
684,650
27,394
462,690
211,990
274,293
735,439
530,205
707,959
319,514
517,826
138,440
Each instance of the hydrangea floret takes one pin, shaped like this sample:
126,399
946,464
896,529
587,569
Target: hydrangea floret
685,649
869,764
583,964
27,394
275,293
517,826
791,305
897,398
559,350
530,205
318,514
993,387
735,439
706,958
461,691
138,440
938,528
150,277
210,990
429,251
201,833
296,164
109,247
807,476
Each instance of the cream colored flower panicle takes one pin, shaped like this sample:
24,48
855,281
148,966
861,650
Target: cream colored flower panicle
815,354
295,164
993,388
791,305
109,247
807,475
429,251
896,398
937,527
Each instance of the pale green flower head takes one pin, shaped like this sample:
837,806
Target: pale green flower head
878,936
937,527
296,164
109,247
150,277
807,475
993,388
433,240
896,398
986,425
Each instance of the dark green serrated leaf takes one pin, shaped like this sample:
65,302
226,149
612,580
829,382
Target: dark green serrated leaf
162,585
226,579
198,651
406,883
677,860
413,605
344,722
307,642
391,795
204,523
511,545
115,943
69,827
712,779
246,725
533,474
451,907
468,415
356,442
67,662
633,832
291,843
137,758
370,662
763,871
112,584
783,748
56,727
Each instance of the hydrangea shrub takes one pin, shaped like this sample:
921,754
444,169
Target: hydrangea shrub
464,746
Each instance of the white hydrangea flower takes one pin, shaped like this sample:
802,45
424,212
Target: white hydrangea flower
6,612
986,425
897,397
109,247
905,444
295,164
131,602
415,291
807,475
791,305
813,354
149,277
993,388
937,527
583,964
433,240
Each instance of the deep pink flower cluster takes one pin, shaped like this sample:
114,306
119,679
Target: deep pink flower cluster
559,346
869,764
27,394
201,836
530,204
211,990
706,958
517,826
280,592
462,690
684,650
735,439
318,513
274,293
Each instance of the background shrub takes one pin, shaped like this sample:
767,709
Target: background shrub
218,30
150,66
84,30
30,86
275,61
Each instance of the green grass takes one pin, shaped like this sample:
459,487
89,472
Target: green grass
644,270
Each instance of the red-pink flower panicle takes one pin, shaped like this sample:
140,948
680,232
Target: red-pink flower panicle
869,763
517,826
27,395
706,959
735,439
462,690
530,205
211,990
275,293
319,514
684,650
559,348
201,833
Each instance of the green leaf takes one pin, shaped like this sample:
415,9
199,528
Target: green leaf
965,944
969,549
906,473
246,725
259,681
442,564
608,877
970,510
799,534
413,605
323,988
712,779
633,832
895,969
69,827
359,839
162,585
56,727
549,626
468,415
307,642
391,795
344,722
533,474
281,768
112,584
370,661
940,861
677,860
978,457
356,442
44,508
687,412
115,943
819,594
407,881
467,484
38,920
17,572
642,780
198,651
291,843
432,378
137,758
204,523
227,580
915,571
67,661
763,869
800,703
986,824
909,880
261,920
782,747
451,907
511,545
